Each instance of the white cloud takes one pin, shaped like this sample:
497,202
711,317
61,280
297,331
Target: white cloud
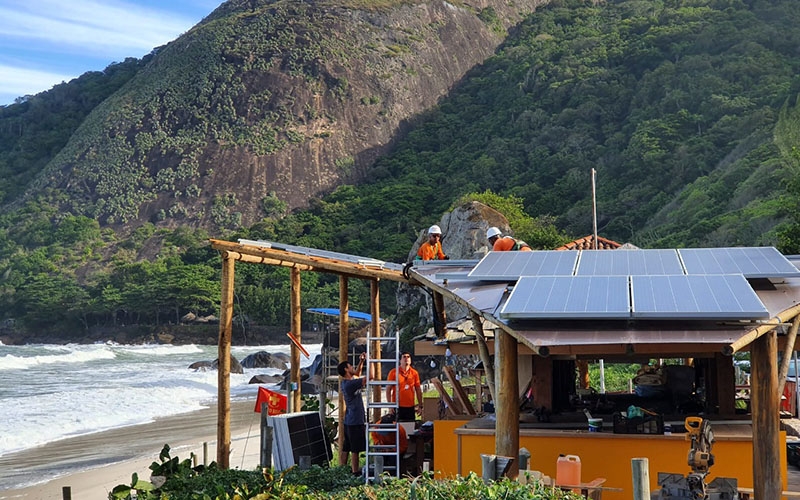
18,81
45,42
107,28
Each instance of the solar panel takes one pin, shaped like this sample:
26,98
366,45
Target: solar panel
628,262
752,262
695,296
314,252
508,266
583,297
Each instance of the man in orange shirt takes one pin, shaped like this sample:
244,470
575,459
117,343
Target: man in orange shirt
432,249
387,437
505,243
408,385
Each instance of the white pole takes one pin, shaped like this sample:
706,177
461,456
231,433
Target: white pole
594,214
602,377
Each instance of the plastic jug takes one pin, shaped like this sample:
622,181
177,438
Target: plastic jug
568,470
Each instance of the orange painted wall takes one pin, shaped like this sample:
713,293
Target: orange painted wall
602,455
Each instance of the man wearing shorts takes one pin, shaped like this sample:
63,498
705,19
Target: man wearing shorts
355,432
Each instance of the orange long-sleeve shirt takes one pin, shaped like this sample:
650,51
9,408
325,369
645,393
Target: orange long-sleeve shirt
507,243
431,252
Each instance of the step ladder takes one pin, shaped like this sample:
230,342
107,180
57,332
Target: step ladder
378,456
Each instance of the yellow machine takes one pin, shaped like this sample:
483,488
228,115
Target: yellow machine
693,486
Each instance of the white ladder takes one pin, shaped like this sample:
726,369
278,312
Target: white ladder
376,455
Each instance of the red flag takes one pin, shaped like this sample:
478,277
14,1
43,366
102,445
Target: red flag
276,402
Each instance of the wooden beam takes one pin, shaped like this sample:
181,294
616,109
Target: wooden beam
251,259
366,270
344,340
755,333
294,305
452,409
764,405
224,363
787,354
507,405
458,390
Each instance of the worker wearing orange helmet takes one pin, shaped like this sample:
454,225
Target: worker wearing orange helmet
432,249
502,243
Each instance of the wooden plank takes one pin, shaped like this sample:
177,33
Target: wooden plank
458,390
448,401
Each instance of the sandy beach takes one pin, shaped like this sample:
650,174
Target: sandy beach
113,456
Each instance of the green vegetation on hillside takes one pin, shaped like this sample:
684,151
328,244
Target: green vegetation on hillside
688,111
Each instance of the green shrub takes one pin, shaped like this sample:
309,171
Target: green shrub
184,482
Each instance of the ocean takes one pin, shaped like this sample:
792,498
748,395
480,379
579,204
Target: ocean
53,393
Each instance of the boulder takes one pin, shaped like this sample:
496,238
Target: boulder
263,359
236,367
266,379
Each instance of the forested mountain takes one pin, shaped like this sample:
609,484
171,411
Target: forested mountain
686,109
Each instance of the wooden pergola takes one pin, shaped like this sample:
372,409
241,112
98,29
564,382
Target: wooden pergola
272,254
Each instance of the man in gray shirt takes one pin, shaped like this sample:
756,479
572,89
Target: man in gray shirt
355,432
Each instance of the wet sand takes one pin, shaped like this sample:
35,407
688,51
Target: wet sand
91,466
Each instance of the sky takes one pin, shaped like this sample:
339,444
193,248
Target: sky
46,42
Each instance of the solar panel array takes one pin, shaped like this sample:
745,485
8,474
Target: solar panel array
709,283
717,297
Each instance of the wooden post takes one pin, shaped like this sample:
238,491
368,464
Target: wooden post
224,363
483,350
726,384
344,340
296,330
583,373
265,455
640,467
764,405
66,492
787,355
507,405
440,322
542,382
375,331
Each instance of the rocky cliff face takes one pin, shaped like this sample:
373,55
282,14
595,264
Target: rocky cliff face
464,237
264,105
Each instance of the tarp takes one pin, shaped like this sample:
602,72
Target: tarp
335,312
